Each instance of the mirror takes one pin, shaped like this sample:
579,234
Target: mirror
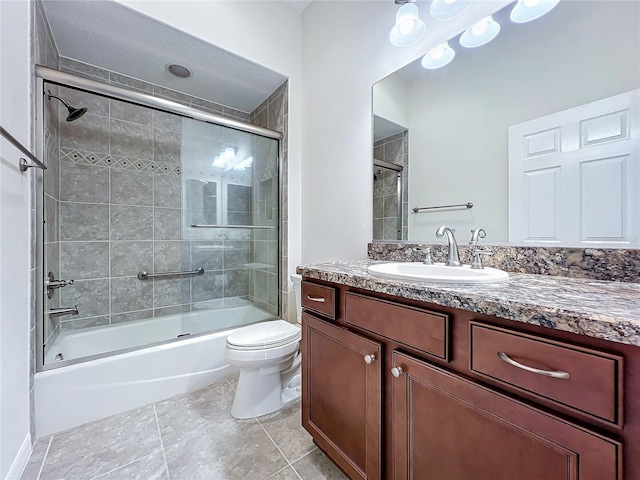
460,119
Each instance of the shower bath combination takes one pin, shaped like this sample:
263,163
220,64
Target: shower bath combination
206,239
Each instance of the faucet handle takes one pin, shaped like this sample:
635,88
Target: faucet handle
475,234
476,263
427,259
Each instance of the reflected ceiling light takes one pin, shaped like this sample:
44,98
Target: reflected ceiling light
244,164
480,33
528,10
408,29
447,9
225,157
438,57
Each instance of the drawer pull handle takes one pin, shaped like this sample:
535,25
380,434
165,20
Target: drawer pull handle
397,371
316,299
369,359
555,374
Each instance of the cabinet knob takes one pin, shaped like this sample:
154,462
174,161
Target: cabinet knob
396,371
368,359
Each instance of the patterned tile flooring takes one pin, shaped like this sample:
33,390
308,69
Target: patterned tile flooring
187,437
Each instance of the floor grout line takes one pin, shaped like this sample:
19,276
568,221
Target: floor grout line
44,459
277,447
164,456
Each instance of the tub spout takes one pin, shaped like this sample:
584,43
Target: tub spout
63,311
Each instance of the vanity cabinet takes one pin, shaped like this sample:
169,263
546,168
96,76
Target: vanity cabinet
400,389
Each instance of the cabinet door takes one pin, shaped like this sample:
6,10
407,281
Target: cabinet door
342,396
447,427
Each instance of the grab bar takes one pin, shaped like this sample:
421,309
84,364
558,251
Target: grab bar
264,227
144,275
466,205
24,166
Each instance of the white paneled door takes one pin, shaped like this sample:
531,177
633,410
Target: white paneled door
574,176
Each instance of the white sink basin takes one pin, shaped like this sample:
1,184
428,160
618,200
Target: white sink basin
437,273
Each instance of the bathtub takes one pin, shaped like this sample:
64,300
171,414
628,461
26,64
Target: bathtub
71,395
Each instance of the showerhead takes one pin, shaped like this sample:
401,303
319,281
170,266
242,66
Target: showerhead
74,113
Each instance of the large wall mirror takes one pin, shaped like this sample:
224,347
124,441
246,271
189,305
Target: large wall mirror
538,130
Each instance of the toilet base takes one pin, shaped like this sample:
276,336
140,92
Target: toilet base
259,393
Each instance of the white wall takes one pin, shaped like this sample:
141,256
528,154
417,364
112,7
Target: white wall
345,51
15,240
265,32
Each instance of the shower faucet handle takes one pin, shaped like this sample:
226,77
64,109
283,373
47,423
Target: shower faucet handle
52,284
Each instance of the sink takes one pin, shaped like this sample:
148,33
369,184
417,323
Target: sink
437,273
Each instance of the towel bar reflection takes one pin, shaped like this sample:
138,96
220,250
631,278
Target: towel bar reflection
465,205
144,275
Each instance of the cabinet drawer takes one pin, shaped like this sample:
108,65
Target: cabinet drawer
423,330
582,379
319,299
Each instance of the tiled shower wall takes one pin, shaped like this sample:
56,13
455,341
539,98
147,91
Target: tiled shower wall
271,114
120,211
393,149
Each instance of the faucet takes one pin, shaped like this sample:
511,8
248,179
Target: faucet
64,311
453,258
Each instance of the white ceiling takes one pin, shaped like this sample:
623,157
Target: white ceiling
298,5
112,36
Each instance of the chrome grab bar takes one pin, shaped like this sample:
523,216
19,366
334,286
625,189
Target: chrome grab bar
547,373
24,166
200,225
144,275
466,205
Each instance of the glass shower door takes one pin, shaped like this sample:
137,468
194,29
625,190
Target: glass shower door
231,219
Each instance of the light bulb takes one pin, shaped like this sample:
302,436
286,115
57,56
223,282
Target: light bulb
438,57
406,26
437,52
530,3
480,27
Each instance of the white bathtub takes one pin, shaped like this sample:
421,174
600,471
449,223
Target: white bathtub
75,394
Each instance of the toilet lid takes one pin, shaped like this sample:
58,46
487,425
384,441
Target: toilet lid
266,334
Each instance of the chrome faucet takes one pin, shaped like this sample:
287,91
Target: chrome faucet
64,311
453,258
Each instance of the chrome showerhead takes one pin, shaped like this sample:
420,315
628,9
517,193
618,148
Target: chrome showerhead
74,113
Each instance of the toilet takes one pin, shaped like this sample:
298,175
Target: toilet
268,356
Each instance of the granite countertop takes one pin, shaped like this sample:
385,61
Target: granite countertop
596,308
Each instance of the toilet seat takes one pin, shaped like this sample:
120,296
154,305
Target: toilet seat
263,336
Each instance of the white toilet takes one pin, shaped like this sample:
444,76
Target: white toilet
269,360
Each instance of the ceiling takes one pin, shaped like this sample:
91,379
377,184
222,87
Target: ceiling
112,36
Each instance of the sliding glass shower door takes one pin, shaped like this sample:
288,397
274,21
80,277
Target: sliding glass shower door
156,226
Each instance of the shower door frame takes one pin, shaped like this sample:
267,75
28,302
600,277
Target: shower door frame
50,75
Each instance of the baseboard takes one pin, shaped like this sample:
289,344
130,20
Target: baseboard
20,462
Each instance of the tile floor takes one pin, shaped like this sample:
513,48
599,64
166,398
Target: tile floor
187,437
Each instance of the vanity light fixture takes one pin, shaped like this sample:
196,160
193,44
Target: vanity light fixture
480,33
438,56
408,29
448,9
528,10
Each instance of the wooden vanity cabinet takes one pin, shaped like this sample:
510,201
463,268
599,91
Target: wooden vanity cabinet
426,408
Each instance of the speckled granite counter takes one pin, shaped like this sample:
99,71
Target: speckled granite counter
607,310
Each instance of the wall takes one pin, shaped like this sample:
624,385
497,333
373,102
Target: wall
15,240
345,51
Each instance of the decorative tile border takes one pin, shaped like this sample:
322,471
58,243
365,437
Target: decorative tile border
118,161
619,265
